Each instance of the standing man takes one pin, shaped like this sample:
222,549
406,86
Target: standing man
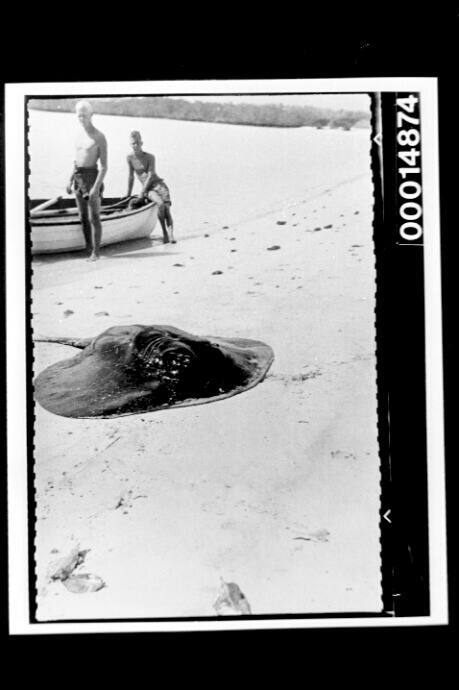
87,177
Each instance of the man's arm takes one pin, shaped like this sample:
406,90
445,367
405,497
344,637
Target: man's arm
69,189
130,177
103,167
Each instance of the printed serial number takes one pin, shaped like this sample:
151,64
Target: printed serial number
410,188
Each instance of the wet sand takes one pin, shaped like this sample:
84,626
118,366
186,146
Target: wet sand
276,489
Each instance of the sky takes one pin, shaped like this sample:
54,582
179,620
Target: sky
354,101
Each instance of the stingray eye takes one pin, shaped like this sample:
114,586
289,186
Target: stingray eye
178,356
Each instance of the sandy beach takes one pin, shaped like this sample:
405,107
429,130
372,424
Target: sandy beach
276,489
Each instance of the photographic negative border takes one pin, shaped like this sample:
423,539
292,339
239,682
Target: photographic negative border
406,591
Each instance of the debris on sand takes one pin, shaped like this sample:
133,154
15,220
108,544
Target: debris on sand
206,235
182,265
68,312
356,213
102,313
63,569
318,535
84,582
231,601
275,246
98,287
124,500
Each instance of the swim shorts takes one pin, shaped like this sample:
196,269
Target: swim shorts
83,181
162,190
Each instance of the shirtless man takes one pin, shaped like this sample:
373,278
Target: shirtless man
86,180
153,187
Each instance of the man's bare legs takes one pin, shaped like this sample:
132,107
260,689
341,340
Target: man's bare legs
162,221
166,222
96,227
82,205
169,222
92,227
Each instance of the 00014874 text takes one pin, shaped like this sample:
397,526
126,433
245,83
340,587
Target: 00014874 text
410,187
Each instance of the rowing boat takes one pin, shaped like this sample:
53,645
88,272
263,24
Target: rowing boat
55,225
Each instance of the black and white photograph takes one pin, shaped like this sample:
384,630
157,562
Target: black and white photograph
205,435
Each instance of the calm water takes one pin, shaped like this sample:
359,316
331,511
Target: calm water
217,173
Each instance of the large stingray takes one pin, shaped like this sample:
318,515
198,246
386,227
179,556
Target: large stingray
133,369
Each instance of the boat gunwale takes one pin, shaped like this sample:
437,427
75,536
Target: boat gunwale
104,218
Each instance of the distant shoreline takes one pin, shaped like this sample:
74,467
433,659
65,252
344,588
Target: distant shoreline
274,115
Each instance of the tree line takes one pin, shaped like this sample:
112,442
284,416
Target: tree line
264,115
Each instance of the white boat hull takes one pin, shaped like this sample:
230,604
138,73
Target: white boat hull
53,235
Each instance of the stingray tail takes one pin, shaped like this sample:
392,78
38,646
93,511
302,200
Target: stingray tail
73,342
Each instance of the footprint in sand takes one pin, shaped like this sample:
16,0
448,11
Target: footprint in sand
206,235
182,265
281,222
275,246
234,250
98,287
217,273
356,213
102,313
316,229
225,227
68,312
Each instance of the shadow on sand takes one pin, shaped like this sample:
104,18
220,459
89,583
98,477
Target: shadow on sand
130,248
